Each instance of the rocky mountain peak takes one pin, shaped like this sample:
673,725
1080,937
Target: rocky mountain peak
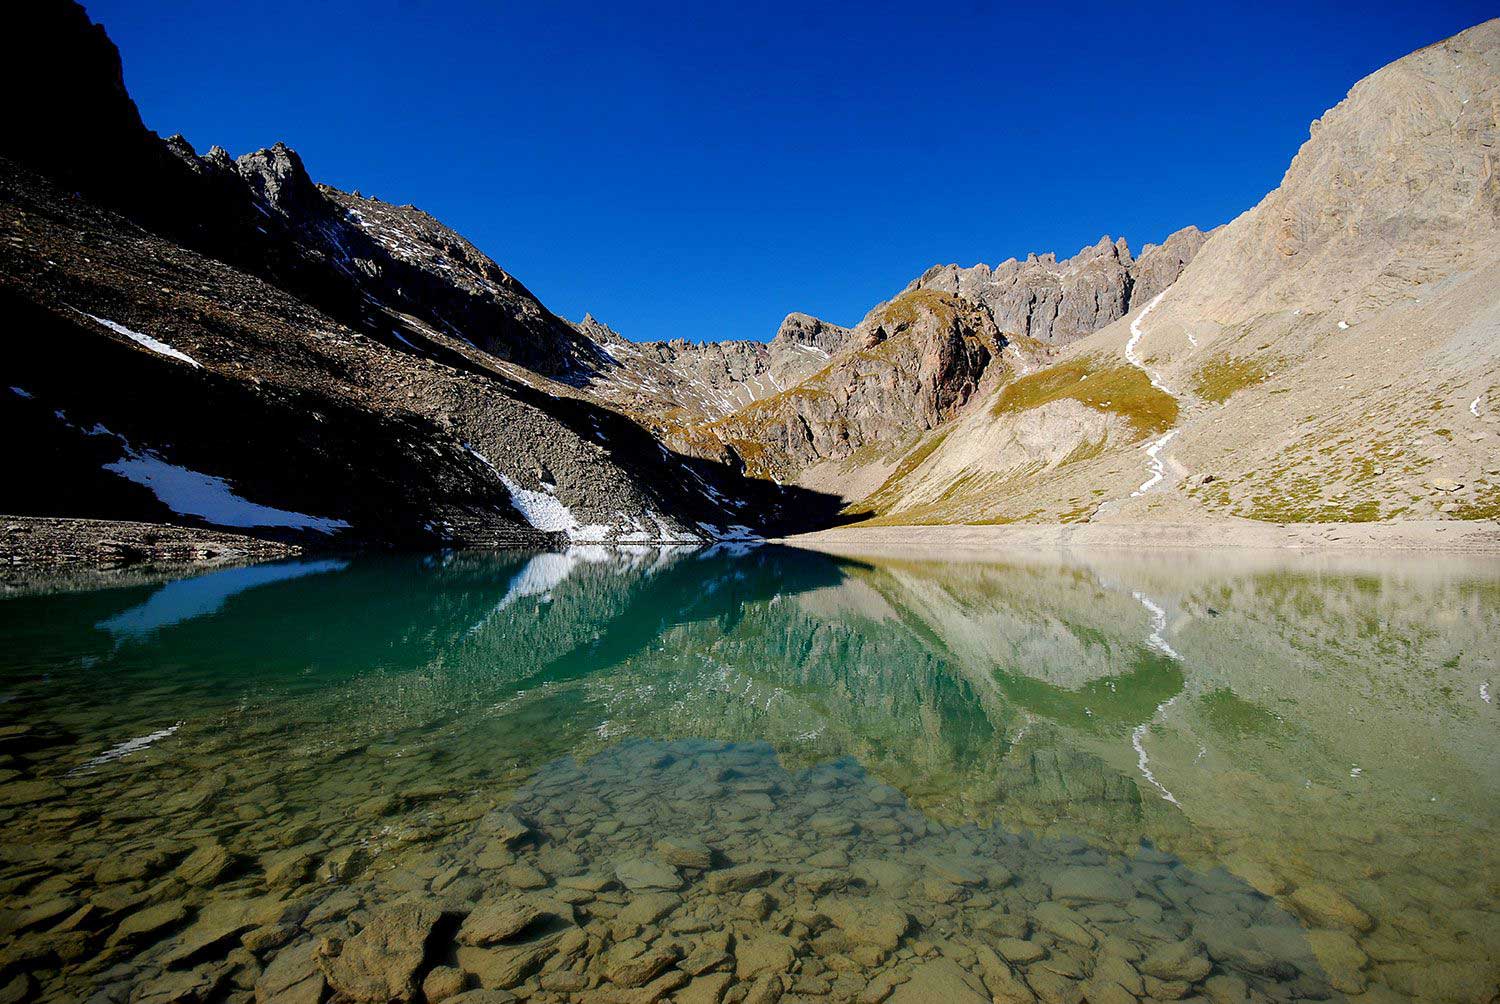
804,329
1159,265
599,332
277,176
1395,184
1056,302
62,123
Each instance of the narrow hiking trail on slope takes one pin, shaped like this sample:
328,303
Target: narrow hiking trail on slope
1153,452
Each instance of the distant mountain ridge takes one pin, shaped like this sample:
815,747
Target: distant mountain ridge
1015,392
1331,355
228,325
710,379
348,358
1056,302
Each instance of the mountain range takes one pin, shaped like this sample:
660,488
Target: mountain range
222,343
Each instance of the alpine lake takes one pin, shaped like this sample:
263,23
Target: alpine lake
751,774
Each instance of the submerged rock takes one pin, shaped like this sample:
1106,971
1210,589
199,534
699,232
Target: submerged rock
380,963
940,980
640,873
1096,885
205,866
1183,960
685,852
738,878
1325,906
293,977
494,921
633,963
869,922
148,924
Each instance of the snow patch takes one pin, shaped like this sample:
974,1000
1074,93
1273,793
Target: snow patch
1135,337
539,577
1153,451
666,532
396,332
1158,625
159,347
734,532
1158,470
190,493
543,511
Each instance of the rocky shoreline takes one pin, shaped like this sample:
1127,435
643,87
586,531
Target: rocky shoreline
59,552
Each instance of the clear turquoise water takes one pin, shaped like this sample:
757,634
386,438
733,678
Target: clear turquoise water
1291,764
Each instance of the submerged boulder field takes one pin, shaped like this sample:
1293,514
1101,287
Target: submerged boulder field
689,871
663,773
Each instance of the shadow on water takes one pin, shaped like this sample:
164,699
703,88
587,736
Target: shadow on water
333,619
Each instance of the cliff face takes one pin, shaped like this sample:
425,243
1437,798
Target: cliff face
679,382
1397,184
1057,302
818,393
908,366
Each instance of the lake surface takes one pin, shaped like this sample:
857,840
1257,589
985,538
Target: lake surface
757,774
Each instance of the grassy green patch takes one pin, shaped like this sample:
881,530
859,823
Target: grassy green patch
1085,451
904,309
1484,504
1289,497
1218,379
1112,705
1234,717
1079,515
882,498
1121,389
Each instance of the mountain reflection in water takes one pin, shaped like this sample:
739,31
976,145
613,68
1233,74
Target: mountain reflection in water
1298,758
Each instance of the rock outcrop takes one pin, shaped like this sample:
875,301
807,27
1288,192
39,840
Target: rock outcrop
852,398
1159,265
907,367
679,382
1397,185
1057,302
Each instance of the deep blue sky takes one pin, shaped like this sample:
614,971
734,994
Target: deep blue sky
700,170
